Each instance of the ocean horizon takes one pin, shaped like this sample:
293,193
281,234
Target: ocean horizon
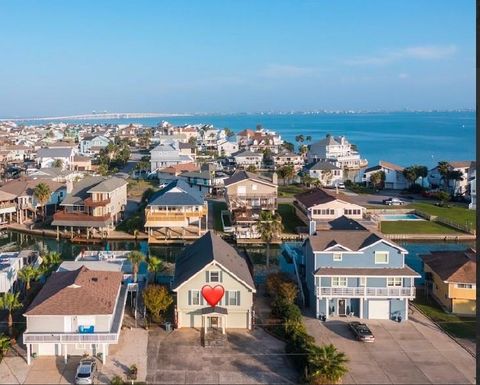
403,138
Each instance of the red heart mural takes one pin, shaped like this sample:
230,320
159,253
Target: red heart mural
213,294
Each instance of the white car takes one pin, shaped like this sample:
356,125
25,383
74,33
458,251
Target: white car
394,202
86,371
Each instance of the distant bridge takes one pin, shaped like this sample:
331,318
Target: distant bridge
103,116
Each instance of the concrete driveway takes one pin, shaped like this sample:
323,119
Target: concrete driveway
247,358
411,352
375,199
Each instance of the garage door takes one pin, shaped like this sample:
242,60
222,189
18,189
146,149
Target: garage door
48,349
379,309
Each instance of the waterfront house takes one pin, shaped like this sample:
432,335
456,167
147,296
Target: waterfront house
212,261
450,278
357,273
11,263
56,174
316,207
95,205
228,146
337,150
459,187
92,144
47,157
259,140
210,138
286,157
177,211
167,154
75,313
394,178
472,182
244,159
326,172
247,194
170,173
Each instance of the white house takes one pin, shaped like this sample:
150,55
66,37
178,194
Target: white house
394,178
338,150
227,147
167,154
47,157
207,264
326,172
93,144
472,180
456,187
247,158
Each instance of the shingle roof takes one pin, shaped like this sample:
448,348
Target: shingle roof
377,271
247,153
108,185
323,165
177,193
205,250
390,166
82,188
461,164
58,152
314,197
20,187
77,292
453,266
352,239
240,175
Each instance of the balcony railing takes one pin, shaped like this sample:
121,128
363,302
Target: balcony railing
89,202
62,215
366,291
69,337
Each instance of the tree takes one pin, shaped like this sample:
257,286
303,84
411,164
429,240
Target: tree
42,193
267,155
288,146
443,168
135,257
421,171
51,260
157,299
103,169
5,345
327,365
327,177
251,168
288,291
269,226
299,139
410,174
27,274
377,179
154,266
455,175
58,163
286,172
10,302
228,132
308,138
307,180
443,197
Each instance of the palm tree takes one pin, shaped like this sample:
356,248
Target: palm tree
421,171
410,174
154,266
42,192
28,273
455,175
58,163
443,168
4,345
10,302
269,226
51,259
326,364
135,257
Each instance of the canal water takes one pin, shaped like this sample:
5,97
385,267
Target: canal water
12,241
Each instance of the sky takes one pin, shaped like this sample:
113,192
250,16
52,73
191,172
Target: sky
225,56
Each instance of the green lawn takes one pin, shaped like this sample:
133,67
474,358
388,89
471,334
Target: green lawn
290,190
456,213
462,327
217,208
289,218
415,227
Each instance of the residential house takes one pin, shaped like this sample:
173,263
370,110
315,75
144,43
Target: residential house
210,138
228,146
472,190
75,313
188,149
56,174
337,150
177,211
11,263
451,278
82,163
165,155
244,159
327,173
357,273
460,187
286,157
170,173
208,180
94,205
247,194
48,157
394,178
92,144
316,207
259,140
210,261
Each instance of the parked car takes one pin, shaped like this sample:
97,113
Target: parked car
86,371
394,202
341,185
361,331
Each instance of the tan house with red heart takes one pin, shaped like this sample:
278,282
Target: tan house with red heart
212,264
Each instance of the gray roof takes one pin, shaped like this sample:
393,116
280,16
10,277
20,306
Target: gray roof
54,152
240,175
247,153
205,250
82,188
351,239
323,165
109,185
177,193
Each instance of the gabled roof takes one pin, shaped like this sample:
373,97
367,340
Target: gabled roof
241,175
25,187
77,292
324,165
177,193
108,185
173,169
453,266
314,197
58,152
390,166
246,153
211,248
81,189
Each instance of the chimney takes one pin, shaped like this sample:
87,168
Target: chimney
69,185
275,178
312,228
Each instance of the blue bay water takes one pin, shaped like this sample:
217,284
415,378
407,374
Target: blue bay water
403,138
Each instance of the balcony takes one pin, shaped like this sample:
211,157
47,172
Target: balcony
6,208
366,292
33,338
64,216
89,202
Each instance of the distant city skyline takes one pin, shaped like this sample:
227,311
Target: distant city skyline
69,58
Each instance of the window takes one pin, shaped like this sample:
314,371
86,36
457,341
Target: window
394,281
381,256
339,281
214,276
254,187
232,298
464,286
337,256
362,282
194,297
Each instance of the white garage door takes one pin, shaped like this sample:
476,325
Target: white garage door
379,309
48,349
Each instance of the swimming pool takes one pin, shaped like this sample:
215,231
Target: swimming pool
400,217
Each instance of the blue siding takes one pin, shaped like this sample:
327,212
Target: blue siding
376,282
352,282
326,281
397,306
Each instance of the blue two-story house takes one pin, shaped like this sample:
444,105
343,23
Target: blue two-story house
357,273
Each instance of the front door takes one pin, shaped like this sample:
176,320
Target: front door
214,322
341,307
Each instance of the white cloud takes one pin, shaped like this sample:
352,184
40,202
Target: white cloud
287,71
430,52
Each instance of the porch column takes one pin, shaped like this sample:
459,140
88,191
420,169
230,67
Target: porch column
205,322
65,353
361,308
104,354
327,312
58,234
224,323
317,306
406,309
29,353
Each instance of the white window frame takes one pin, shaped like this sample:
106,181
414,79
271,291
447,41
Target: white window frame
210,276
362,282
195,293
339,282
232,295
254,187
337,257
378,253
394,282
465,286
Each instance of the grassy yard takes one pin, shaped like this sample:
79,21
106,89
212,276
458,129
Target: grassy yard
461,327
415,227
217,208
136,187
290,190
456,213
289,218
